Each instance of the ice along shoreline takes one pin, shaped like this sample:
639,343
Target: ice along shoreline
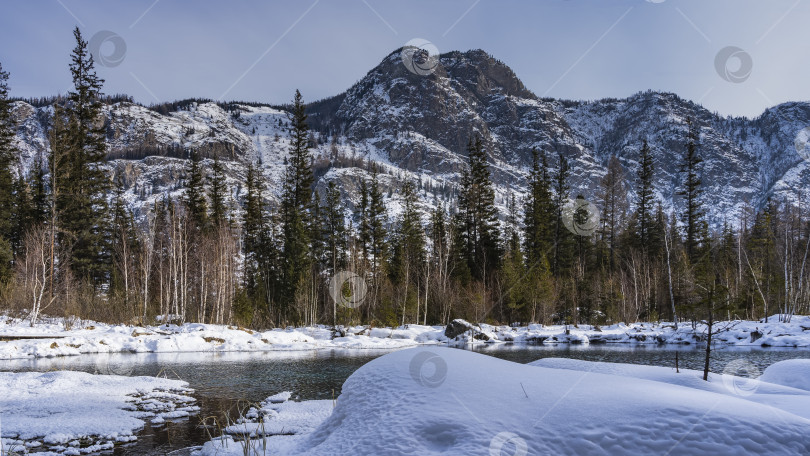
50,338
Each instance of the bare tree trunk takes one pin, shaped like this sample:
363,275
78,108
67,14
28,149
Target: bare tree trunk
756,282
669,274
407,282
709,330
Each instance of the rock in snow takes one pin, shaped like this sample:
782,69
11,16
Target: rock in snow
456,328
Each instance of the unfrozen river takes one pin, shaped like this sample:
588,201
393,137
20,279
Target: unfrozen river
226,382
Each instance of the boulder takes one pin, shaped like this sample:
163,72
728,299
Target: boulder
457,327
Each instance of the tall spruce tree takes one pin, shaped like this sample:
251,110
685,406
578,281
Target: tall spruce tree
194,199
363,222
8,157
538,213
40,199
334,229
217,191
691,191
22,213
644,217
513,270
409,247
253,229
59,161
377,219
81,200
296,207
409,238
478,216
334,235
613,207
563,241
438,231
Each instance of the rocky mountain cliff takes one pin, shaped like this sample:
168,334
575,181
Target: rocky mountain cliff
417,127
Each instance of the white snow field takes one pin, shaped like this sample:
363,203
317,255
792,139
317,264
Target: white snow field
74,413
52,339
436,400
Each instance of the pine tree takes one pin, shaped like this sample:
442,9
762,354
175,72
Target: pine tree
761,256
216,193
8,157
259,246
613,207
59,161
253,227
691,191
296,207
81,200
334,229
377,220
644,190
363,222
538,214
22,213
563,242
478,215
655,244
318,252
438,230
409,246
40,199
459,256
195,192
514,270
512,232
409,236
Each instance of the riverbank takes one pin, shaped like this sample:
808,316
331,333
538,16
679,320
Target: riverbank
281,423
434,400
50,337
72,413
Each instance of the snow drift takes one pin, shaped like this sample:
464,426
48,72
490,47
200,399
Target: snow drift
430,401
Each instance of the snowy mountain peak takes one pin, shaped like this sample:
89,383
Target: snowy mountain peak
416,126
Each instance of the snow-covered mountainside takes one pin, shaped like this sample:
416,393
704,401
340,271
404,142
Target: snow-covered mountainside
417,127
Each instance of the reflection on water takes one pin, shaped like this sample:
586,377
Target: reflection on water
247,376
689,356
225,382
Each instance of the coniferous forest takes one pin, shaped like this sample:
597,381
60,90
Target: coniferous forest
71,246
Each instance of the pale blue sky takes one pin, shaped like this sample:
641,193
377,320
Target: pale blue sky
578,49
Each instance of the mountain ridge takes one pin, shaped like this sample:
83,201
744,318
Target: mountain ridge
416,127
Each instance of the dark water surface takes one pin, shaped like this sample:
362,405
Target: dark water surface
224,383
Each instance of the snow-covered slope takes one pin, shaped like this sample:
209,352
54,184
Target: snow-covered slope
417,127
456,402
